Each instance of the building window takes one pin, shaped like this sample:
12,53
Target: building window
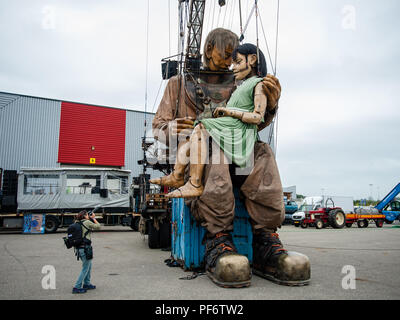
117,184
83,184
39,184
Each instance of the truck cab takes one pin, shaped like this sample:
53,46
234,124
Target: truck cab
290,208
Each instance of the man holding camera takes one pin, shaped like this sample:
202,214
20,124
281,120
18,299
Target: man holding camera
84,252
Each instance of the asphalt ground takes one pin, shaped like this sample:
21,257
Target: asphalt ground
124,268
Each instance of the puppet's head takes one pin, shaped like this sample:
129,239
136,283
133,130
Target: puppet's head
248,62
218,49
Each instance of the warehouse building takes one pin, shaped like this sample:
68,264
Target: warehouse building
47,133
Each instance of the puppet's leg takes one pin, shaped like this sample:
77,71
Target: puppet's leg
198,156
176,178
264,202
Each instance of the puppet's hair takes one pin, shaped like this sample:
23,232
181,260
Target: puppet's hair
220,39
248,48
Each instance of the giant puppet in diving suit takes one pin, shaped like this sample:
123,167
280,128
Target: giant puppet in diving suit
185,99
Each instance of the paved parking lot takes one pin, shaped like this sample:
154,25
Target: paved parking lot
125,268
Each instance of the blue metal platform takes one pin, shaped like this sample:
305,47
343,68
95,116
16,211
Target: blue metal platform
187,235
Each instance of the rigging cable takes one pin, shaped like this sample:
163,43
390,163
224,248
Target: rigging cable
147,66
276,62
240,16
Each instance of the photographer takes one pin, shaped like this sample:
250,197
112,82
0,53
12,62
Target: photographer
85,252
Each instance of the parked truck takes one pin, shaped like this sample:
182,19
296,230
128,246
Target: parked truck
290,208
60,193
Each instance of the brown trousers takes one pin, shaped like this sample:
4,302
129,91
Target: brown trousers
262,192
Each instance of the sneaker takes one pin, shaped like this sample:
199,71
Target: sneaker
272,262
78,290
224,266
89,286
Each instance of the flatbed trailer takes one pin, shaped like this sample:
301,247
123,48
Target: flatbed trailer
55,220
363,220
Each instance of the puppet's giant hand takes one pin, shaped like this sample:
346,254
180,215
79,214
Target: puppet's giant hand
181,126
272,89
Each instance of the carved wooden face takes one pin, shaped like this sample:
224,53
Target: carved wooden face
242,67
219,61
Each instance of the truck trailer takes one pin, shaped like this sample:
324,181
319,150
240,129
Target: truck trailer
60,193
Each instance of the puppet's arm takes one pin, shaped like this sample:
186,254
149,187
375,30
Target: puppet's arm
255,117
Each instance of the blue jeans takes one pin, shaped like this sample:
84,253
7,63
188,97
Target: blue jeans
84,277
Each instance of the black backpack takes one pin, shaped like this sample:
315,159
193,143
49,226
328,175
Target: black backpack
75,237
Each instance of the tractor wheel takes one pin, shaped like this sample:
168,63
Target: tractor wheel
304,225
362,223
349,225
319,224
379,223
154,236
337,219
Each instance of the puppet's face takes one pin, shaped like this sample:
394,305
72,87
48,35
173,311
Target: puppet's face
218,60
242,67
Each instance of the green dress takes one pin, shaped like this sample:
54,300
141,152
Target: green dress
233,136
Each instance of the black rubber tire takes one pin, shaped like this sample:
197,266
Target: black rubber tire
304,225
334,221
165,234
51,224
296,225
362,223
135,223
388,222
153,237
319,224
349,225
379,223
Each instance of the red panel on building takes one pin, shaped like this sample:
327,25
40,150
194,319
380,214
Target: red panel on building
91,135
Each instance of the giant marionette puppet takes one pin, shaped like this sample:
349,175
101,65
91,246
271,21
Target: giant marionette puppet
209,186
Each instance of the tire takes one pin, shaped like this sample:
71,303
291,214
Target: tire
362,223
296,225
379,223
388,222
165,234
51,224
153,237
349,225
135,223
304,225
319,224
337,219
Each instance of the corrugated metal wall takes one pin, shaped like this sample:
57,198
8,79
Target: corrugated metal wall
29,129
133,140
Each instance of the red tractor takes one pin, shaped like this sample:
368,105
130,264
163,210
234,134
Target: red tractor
324,217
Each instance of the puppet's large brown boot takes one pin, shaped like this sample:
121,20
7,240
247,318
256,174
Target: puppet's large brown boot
224,266
271,261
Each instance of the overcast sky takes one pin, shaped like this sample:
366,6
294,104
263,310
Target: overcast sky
338,125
